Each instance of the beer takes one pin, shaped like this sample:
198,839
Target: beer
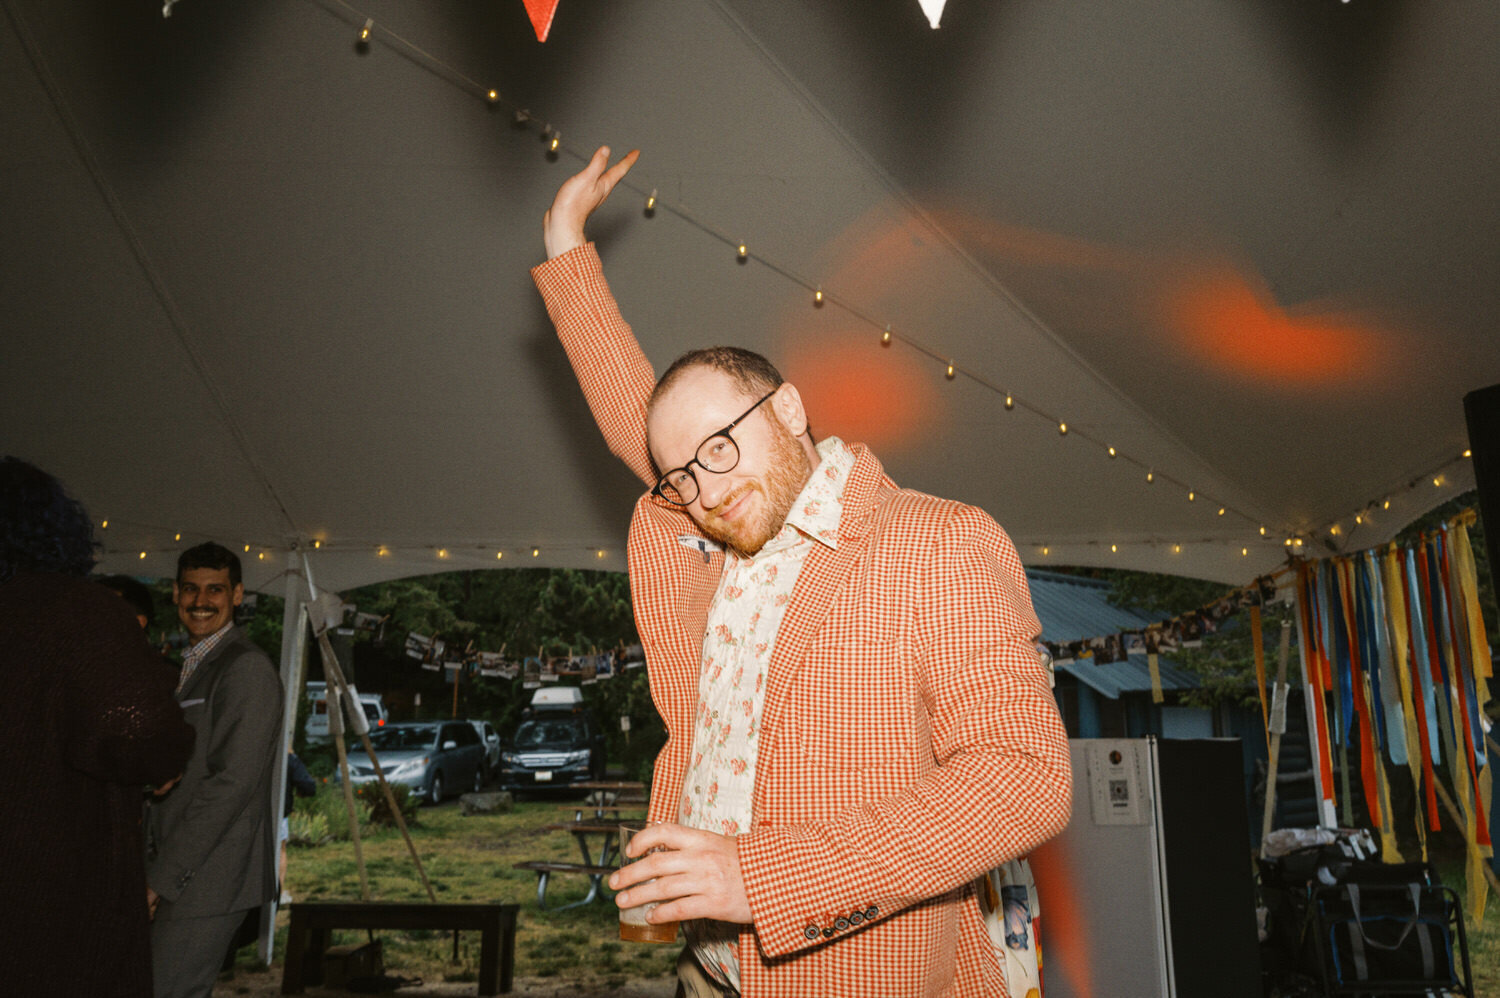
633,925
635,929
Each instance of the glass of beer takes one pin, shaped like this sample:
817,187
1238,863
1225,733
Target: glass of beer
633,925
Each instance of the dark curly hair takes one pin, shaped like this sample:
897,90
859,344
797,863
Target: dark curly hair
42,528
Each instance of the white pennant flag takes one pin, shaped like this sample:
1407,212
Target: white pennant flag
933,9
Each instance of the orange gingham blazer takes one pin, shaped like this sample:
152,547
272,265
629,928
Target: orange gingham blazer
909,739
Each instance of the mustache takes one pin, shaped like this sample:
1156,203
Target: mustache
731,499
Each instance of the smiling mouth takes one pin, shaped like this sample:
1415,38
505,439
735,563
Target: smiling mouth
731,509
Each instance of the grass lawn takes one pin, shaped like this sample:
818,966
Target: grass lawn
470,859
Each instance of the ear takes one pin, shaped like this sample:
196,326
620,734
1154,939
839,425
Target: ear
788,407
175,596
239,593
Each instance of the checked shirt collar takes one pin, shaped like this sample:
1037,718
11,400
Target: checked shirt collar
198,652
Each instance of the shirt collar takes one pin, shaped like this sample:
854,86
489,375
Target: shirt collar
820,505
196,653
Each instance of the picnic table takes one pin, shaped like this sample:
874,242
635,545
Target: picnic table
597,837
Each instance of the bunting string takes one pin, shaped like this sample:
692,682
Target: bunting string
1397,675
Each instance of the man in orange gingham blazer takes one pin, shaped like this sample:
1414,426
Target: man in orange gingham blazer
908,739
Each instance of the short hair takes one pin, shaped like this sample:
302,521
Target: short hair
42,528
210,555
133,591
750,371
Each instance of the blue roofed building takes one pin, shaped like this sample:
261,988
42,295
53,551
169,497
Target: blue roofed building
1112,700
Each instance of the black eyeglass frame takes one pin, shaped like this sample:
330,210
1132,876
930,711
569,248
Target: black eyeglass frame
657,490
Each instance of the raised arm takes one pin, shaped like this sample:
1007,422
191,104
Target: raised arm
613,372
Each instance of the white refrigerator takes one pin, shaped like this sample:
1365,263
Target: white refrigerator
1149,892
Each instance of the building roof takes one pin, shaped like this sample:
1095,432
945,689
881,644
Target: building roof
1072,607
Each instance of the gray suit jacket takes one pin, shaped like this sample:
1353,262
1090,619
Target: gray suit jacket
212,840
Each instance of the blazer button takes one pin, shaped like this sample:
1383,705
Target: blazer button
872,911
811,932
856,917
827,933
841,924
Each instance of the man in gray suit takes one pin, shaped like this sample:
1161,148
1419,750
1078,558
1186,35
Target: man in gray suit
211,846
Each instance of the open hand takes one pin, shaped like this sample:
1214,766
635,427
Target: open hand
578,197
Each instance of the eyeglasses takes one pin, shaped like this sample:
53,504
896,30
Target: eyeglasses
719,454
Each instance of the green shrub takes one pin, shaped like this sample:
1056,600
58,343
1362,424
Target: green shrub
328,804
308,829
379,808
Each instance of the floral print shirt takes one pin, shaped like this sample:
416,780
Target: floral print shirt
743,620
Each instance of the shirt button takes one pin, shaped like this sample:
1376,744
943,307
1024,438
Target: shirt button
811,932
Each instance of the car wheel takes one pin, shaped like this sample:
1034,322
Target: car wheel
435,792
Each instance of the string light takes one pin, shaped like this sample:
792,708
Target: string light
247,549
382,551
499,555
1114,548
599,553
104,525
1244,552
261,556
1192,496
1046,550
177,538
442,552
1359,519
536,552
1334,530
552,137
1177,549
1468,452
317,544
143,556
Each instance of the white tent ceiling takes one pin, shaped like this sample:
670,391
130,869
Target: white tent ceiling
265,287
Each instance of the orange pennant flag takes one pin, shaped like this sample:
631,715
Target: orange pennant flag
541,13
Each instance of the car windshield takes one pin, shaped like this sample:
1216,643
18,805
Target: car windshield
549,734
418,736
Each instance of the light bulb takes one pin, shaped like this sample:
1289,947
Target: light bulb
1114,548
1150,477
555,141
951,372
247,549
599,553
1177,549
885,337
744,251
143,556
536,552
364,33
1244,552
818,295
1192,495
651,200
104,525
442,552
1010,403
1046,550
177,538
1221,510
1113,452
1263,531
1062,429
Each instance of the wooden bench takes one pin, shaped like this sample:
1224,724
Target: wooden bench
544,868
312,925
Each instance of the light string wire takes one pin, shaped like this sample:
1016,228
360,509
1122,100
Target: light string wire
369,28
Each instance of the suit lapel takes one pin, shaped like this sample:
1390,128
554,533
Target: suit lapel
824,577
200,681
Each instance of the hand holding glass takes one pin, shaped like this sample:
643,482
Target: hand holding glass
633,924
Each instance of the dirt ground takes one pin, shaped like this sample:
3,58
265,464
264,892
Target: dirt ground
267,983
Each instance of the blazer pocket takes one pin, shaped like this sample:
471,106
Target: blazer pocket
854,706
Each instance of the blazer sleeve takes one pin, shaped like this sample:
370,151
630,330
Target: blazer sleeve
613,372
243,742
1002,782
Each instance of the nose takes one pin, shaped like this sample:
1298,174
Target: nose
711,488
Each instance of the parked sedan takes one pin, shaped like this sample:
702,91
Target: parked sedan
432,758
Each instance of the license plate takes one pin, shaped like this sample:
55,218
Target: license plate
544,776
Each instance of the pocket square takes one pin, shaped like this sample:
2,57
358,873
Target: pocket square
702,544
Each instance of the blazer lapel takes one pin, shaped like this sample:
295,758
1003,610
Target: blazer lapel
199,682
823,579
